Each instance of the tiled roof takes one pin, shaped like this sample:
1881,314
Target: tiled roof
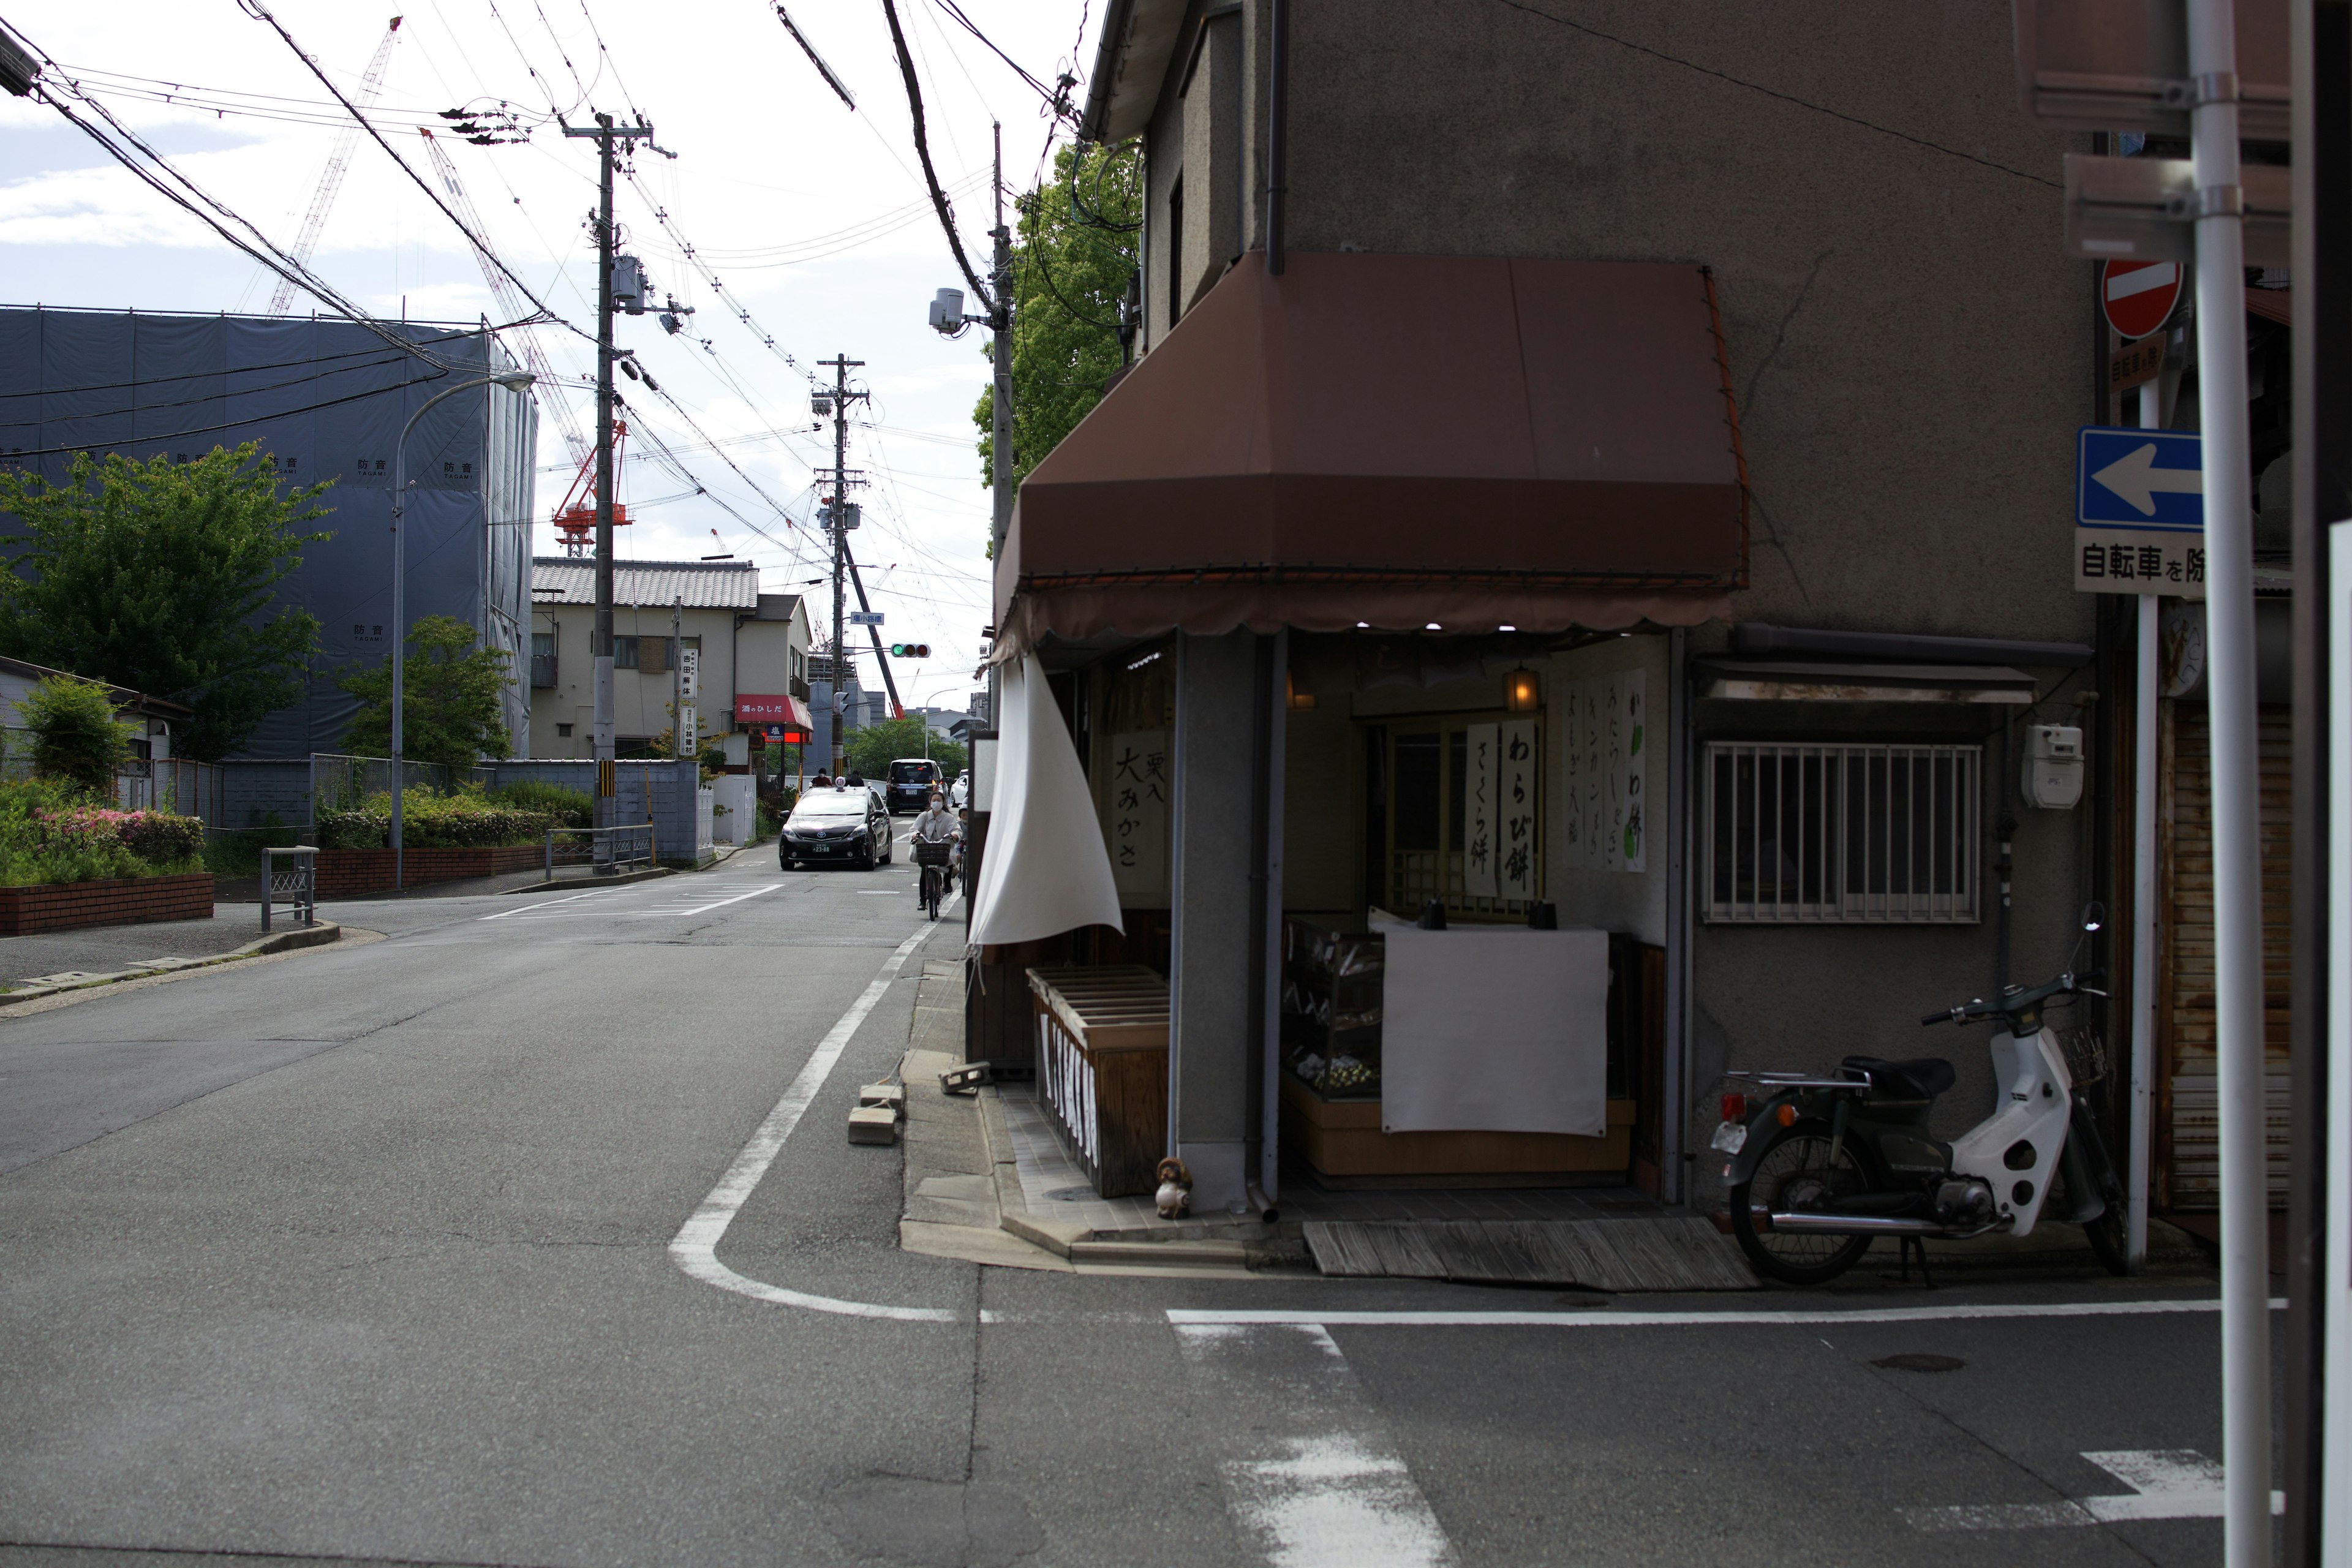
703,584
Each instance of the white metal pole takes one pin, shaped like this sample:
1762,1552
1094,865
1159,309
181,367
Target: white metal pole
2236,804
2145,693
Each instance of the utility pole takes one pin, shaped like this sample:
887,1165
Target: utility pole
599,647
1000,327
838,518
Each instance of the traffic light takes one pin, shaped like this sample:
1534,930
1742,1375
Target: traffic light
910,650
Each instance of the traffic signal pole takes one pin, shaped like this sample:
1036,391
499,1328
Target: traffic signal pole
881,654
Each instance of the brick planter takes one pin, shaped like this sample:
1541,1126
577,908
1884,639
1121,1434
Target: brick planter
108,901
345,873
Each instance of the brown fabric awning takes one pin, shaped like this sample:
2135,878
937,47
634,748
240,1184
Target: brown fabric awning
1397,440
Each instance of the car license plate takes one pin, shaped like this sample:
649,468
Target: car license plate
1729,1137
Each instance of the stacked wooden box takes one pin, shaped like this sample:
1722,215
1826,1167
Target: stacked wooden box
1102,1069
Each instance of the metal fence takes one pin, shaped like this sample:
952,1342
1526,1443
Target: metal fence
179,785
295,873
608,849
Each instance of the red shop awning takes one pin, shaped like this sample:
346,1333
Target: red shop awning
1397,440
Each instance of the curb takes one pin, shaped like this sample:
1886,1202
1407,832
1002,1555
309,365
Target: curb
276,942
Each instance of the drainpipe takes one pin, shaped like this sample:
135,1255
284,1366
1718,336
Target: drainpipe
1278,133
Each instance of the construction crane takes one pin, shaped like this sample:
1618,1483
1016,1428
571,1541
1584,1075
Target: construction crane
575,516
338,163
509,298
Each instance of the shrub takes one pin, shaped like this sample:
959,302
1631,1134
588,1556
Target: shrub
76,737
47,834
568,807
432,822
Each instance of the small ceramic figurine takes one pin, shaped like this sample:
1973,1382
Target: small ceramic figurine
1175,1195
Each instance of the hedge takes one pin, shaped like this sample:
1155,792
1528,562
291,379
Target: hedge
432,822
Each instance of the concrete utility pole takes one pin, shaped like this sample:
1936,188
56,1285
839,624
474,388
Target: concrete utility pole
608,137
1000,327
838,518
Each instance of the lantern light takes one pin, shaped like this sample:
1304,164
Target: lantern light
1520,692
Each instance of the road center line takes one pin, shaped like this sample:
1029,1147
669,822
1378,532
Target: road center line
702,909
695,1248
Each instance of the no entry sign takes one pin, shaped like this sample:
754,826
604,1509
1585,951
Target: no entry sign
2139,296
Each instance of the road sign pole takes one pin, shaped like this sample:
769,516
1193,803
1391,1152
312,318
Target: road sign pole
2144,895
2237,865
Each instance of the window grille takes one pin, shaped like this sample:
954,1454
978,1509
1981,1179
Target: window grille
1881,833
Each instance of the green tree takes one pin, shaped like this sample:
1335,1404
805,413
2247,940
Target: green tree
76,736
158,576
1073,251
452,699
871,750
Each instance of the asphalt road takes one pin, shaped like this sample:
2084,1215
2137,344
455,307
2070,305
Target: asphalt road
383,1254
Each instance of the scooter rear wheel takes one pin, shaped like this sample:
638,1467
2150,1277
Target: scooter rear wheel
1796,1171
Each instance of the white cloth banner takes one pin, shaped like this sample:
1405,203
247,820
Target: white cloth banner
1044,869
1604,764
1494,1029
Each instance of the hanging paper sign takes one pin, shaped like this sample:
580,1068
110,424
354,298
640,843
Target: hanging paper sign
1137,827
1518,872
1481,788
1605,766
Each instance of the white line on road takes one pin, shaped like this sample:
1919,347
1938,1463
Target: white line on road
695,1248
1317,1481
548,904
1183,1317
704,909
2166,1483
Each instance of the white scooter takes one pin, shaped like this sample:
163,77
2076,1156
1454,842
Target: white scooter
1824,1165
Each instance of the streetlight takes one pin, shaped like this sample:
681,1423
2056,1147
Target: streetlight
513,381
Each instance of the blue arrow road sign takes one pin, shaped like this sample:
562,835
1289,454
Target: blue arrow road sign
2139,478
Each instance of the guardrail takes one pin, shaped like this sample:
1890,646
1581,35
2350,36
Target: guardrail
298,879
607,848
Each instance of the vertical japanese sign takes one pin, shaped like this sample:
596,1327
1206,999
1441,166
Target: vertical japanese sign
1518,872
1137,828
1481,785
689,686
1605,766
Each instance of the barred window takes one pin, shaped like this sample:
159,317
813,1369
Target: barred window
1819,833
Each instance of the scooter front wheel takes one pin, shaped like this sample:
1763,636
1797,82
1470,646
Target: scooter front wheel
1796,1172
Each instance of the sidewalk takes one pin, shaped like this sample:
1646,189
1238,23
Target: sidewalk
102,949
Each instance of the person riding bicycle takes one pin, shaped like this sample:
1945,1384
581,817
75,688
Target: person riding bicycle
936,826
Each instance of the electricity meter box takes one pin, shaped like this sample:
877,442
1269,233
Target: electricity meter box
2054,766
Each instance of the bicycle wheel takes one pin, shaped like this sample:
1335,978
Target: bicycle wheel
1796,1173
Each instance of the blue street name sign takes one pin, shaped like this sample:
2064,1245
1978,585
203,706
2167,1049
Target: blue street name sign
2139,479
865,617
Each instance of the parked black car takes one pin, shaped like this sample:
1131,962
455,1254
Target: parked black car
844,825
912,780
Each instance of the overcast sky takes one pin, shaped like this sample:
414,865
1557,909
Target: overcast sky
811,216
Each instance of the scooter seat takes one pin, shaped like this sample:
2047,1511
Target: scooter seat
1923,1079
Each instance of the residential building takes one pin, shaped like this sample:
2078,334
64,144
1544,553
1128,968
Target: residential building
751,648
1691,401
324,400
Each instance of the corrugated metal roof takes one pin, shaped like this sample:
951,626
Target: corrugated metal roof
703,584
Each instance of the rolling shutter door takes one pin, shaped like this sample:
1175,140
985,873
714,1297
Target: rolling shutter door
2192,1164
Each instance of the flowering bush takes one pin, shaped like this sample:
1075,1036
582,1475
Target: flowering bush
461,821
48,833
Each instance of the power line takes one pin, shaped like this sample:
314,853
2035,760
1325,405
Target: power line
256,9
923,154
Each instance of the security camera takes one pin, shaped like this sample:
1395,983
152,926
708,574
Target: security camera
947,311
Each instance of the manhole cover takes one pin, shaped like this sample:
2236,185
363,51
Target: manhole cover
1070,1194
1916,1360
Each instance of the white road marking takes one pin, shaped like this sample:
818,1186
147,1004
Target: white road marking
1189,1317
1324,1485
695,1248
548,904
721,903
2166,1483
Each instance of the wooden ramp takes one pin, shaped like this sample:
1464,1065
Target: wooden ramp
1666,1253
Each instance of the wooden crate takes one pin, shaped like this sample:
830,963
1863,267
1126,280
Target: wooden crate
1343,1138
1102,1069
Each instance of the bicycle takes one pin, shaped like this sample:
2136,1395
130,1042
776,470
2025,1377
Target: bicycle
932,857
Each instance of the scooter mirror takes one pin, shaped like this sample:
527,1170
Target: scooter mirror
2094,916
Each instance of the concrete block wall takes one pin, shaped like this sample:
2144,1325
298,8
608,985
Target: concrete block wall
679,824
251,790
